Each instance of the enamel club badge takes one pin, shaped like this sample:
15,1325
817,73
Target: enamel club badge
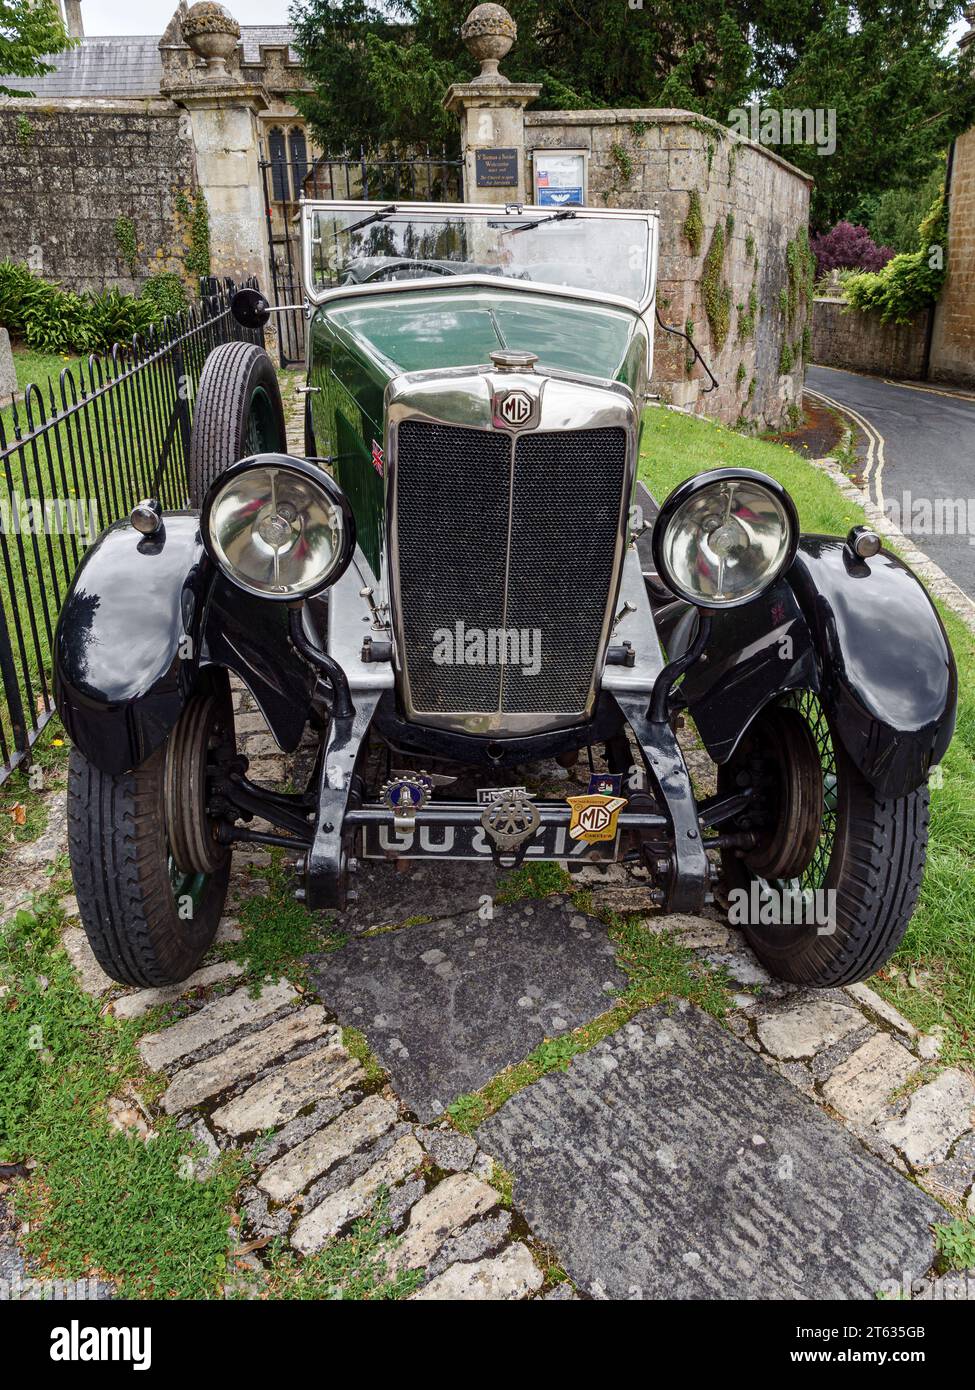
594,817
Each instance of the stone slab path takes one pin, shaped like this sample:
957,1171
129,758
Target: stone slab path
669,1162
449,1004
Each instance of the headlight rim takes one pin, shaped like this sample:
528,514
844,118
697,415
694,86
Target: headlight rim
314,475
688,489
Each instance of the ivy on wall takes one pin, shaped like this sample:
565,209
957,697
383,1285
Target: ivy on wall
193,212
717,295
127,242
693,228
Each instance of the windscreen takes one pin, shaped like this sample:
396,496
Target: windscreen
355,246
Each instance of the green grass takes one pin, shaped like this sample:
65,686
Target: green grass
99,1202
938,951
23,814
351,1268
39,367
534,880
277,932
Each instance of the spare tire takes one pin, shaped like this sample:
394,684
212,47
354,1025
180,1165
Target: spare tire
239,412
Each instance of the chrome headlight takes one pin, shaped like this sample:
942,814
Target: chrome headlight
278,527
721,538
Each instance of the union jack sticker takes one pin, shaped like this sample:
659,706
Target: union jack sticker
378,458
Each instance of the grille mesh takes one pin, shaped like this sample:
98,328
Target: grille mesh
455,495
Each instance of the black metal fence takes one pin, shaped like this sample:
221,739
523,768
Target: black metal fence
76,455
415,175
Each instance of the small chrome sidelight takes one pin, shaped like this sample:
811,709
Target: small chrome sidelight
863,542
146,517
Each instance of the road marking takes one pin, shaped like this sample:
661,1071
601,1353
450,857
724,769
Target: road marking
876,457
929,390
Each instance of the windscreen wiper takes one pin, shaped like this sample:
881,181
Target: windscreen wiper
562,216
379,216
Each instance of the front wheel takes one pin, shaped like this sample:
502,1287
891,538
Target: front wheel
150,874
826,893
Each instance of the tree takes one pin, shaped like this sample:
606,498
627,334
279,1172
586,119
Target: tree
29,29
380,71
900,97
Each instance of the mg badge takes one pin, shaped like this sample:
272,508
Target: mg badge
514,408
594,817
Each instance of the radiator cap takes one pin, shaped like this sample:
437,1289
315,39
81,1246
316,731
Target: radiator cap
508,360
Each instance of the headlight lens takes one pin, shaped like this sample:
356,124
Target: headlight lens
278,527
722,538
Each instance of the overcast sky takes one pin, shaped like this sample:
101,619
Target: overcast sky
152,16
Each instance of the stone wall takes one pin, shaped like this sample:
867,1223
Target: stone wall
859,341
953,339
69,173
729,212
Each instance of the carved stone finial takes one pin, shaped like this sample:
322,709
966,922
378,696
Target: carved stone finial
488,33
211,32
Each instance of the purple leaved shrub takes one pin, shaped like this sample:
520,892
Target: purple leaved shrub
845,247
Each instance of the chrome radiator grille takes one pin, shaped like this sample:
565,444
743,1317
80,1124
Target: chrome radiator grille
502,534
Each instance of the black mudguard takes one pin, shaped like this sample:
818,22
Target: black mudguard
144,619
862,634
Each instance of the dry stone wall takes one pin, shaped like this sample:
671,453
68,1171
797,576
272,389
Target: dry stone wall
953,341
96,195
860,341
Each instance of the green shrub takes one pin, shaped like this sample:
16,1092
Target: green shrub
911,281
167,295
51,319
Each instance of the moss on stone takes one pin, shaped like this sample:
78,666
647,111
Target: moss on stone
693,228
716,294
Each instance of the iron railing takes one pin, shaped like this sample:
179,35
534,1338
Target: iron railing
76,456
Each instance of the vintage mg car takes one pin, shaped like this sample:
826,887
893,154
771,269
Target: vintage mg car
462,579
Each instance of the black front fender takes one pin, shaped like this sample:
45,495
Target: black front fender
864,635
889,679
144,619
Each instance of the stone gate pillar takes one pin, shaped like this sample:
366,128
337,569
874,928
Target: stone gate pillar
492,113
222,111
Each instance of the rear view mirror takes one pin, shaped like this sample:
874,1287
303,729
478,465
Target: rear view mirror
250,308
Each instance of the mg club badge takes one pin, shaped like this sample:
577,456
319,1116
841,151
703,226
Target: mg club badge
405,795
594,817
605,783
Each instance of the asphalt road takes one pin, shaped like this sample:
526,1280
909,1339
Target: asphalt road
917,447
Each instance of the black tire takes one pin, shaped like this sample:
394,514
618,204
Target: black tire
127,896
871,854
239,412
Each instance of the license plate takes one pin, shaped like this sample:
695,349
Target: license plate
473,842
